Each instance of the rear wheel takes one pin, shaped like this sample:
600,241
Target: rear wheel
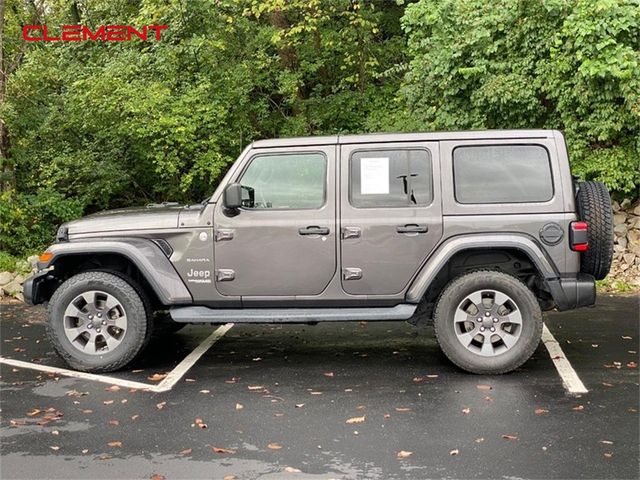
97,322
594,207
488,322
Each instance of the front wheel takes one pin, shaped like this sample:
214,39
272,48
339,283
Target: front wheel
488,322
97,322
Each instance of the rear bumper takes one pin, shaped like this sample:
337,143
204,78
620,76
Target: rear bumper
574,292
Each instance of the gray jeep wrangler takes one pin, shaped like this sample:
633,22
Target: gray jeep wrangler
479,231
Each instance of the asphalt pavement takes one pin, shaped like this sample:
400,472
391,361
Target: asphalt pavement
351,400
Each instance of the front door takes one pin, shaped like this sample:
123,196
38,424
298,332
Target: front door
391,214
282,242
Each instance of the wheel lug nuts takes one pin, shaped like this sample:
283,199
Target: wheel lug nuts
493,329
99,315
482,329
97,330
486,314
495,320
90,325
479,319
104,322
90,317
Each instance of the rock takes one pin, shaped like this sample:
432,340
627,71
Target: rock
636,211
19,296
633,222
619,218
12,288
625,203
33,259
2,292
19,279
629,258
622,241
620,229
5,277
633,236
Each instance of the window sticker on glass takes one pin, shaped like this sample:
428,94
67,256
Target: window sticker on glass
374,176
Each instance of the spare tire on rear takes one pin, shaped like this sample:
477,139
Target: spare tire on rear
594,207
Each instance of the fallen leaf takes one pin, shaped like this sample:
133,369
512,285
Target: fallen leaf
116,444
315,393
157,377
328,374
257,359
114,422
135,417
160,405
356,419
186,451
85,450
55,448
229,477
540,411
578,408
626,337
453,452
113,388
105,456
87,411
299,405
479,440
157,476
189,380
404,454
484,387
386,415
607,384
274,446
632,365
509,437
124,400
606,442
403,409
233,380
432,376
55,432
33,413
108,402
292,470
418,379
199,423
239,406
223,450
255,387
608,455
466,411
488,399
205,391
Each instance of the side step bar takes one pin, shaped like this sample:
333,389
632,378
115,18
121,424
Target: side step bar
289,315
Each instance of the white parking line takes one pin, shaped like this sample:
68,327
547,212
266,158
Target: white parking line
570,379
167,384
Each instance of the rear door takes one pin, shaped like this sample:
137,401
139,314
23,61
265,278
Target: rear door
391,214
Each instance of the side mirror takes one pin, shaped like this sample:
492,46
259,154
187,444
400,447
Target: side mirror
233,196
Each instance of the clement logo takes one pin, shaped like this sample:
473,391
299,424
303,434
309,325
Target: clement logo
80,33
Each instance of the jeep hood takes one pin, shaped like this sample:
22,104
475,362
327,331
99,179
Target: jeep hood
127,220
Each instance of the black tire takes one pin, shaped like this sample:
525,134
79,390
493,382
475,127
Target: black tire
457,291
137,310
594,207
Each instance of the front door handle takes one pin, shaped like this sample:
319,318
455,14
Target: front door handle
413,228
314,230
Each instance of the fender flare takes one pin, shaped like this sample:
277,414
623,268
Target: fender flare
448,249
144,254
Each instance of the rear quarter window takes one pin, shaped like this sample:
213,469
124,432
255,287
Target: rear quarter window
502,174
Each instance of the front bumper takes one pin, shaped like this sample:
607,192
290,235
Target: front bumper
38,288
573,292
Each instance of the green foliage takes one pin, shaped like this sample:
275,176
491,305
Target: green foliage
28,222
117,124
7,262
574,66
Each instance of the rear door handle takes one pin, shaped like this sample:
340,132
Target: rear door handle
412,228
314,230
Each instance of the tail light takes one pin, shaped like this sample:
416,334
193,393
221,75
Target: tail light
578,236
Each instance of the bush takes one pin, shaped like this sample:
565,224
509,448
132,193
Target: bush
28,223
7,262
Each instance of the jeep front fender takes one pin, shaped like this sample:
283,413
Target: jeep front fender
144,254
467,242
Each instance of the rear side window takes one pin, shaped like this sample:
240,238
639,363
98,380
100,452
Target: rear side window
391,178
502,174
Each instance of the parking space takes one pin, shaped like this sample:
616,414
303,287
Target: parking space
356,400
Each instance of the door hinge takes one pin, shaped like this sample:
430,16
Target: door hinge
351,273
225,275
224,234
351,232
